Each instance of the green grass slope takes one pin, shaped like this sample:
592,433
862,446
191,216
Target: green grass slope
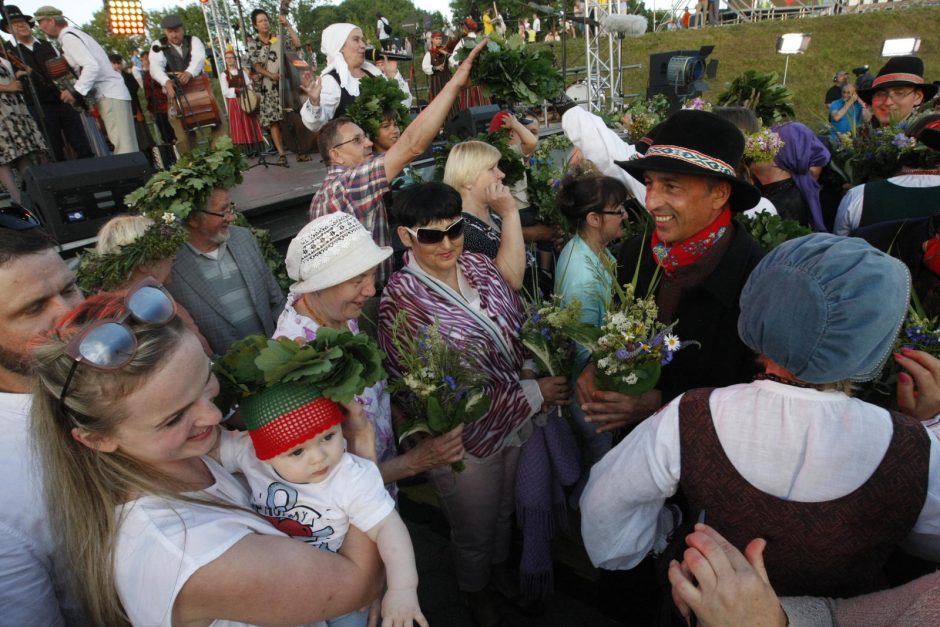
839,42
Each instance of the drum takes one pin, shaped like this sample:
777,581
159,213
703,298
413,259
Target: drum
195,106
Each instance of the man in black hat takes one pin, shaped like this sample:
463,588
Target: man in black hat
63,123
863,77
702,254
176,59
898,90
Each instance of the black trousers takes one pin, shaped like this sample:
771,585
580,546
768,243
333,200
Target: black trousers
64,124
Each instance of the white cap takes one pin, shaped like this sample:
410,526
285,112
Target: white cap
331,249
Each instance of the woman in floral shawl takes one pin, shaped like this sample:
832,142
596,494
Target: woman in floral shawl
480,312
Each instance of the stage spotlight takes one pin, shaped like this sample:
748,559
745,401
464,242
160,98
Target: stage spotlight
900,47
125,17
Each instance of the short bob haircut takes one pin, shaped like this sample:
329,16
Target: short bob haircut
422,204
580,196
466,161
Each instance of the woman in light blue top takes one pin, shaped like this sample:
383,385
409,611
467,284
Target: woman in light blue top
594,205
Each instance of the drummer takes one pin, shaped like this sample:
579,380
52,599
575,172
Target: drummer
337,87
175,60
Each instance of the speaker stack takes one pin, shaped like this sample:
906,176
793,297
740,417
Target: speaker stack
75,198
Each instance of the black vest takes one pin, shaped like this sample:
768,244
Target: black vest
345,98
884,201
175,62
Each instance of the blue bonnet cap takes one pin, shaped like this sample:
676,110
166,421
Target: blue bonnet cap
826,308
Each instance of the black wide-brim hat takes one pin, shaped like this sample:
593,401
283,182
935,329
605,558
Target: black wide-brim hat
12,11
698,143
900,72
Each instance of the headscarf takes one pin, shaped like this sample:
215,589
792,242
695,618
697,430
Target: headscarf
331,44
801,150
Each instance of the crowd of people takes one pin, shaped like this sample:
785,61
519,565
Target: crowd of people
748,485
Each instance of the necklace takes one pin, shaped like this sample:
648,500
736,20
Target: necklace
309,311
765,376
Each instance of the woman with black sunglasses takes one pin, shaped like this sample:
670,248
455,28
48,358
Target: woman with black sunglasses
162,535
479,311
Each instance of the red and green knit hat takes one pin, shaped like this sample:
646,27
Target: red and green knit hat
287,415
289,391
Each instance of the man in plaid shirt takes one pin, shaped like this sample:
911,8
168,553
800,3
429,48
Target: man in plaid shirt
356,180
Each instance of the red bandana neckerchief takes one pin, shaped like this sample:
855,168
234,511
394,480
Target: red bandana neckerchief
685,253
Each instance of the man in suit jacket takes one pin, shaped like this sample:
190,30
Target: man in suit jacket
221,278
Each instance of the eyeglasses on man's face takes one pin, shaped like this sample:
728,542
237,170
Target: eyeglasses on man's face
228,213
896,94
359,139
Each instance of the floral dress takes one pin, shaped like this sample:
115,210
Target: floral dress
268,55
19,135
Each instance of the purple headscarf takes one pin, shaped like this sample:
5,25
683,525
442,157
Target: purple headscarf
801,150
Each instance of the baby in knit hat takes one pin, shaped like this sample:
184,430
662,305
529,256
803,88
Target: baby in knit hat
303,481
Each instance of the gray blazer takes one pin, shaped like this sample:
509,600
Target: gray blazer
193,292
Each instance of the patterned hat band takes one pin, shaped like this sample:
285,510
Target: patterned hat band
900,76
691,156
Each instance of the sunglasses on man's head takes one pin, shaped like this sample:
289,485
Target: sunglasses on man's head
436,236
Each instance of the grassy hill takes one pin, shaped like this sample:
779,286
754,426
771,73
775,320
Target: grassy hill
839,42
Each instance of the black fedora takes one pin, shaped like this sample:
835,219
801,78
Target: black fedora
900,72
699,143
12,11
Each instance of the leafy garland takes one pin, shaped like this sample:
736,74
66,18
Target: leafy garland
377,95
511,72
186,186
510,161
337,363
107,272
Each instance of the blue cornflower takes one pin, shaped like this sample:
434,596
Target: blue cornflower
451,383
622,354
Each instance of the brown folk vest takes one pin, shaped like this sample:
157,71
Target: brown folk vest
832,548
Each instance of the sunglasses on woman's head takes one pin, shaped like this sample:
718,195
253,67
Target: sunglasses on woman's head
436,236
111,343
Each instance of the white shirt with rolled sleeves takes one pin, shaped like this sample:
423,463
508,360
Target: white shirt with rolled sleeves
91,63
197,57
793,443
315,117
31,590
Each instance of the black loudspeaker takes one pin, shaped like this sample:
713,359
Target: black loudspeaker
75,198
470,122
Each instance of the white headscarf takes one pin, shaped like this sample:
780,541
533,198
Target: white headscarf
331,44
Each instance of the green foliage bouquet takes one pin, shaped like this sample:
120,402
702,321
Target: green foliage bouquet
550,333
545,175
441,386
511,72
874,153
770,230
510,161
762,93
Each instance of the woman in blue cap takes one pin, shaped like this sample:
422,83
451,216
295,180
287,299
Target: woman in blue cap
831,482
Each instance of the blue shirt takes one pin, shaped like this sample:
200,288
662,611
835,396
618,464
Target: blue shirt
580,274
849,122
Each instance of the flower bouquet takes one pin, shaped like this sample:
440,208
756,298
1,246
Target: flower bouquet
633,345
441,385
550,333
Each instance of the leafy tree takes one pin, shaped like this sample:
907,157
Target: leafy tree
192,17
